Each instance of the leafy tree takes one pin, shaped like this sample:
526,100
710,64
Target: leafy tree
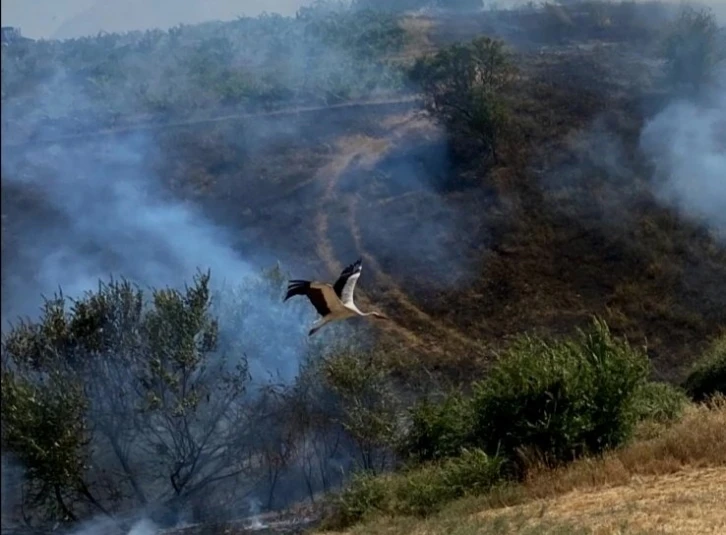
368,409
113,384
692,49
463,85
44,424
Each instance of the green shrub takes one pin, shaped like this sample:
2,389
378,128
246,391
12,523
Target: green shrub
708,375
366,402
420,491
438,430
464,85
425,490
659,402
561,398
364,494
692,49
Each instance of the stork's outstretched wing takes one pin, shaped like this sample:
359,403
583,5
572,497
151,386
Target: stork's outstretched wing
345,285
320,294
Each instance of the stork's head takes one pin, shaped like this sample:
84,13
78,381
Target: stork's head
358,266
379,315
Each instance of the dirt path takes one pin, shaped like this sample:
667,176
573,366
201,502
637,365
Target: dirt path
365,152
399,295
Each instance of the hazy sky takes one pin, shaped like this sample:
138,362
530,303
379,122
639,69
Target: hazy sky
74,18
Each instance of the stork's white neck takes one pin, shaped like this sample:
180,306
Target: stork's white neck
351,306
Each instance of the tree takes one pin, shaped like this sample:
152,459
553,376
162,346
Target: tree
463,86
692,49
366,404
114,401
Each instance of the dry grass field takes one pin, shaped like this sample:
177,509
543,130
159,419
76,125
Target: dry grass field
669,481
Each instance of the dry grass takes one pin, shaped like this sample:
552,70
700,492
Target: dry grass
683,502
418,41
671,481
696,441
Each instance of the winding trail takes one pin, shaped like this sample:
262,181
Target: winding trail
349,148
400,296
365,152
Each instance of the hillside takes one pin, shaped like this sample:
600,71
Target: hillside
557,232
667,483
586,190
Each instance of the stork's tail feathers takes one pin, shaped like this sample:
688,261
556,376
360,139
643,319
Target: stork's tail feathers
296,287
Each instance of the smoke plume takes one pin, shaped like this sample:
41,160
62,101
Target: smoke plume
687,145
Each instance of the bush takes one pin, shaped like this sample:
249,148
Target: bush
364,494
561,399
425,490
366,403
708,375
692,49
659,402
420,491
438,431
463,85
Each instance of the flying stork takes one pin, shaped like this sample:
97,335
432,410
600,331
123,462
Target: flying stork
333,302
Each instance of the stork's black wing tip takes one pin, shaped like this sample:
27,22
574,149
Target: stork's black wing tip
296,287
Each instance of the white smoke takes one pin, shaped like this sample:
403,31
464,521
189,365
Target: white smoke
686,143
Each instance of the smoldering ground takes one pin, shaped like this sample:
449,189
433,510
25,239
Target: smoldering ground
687,145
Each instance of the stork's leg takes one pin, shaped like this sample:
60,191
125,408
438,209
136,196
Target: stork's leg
318,325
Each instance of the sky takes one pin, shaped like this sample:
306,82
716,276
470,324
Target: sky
62,19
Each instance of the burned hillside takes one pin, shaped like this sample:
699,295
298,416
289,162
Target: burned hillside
499,172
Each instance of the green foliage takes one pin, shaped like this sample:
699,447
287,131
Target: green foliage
438,430
464,86
44,425
133,375
561,398
321,56
421,491
659,402
708,375
368,407
692,49
364,494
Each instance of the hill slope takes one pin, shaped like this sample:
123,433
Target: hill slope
461,255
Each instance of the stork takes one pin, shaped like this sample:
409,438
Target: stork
333,302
